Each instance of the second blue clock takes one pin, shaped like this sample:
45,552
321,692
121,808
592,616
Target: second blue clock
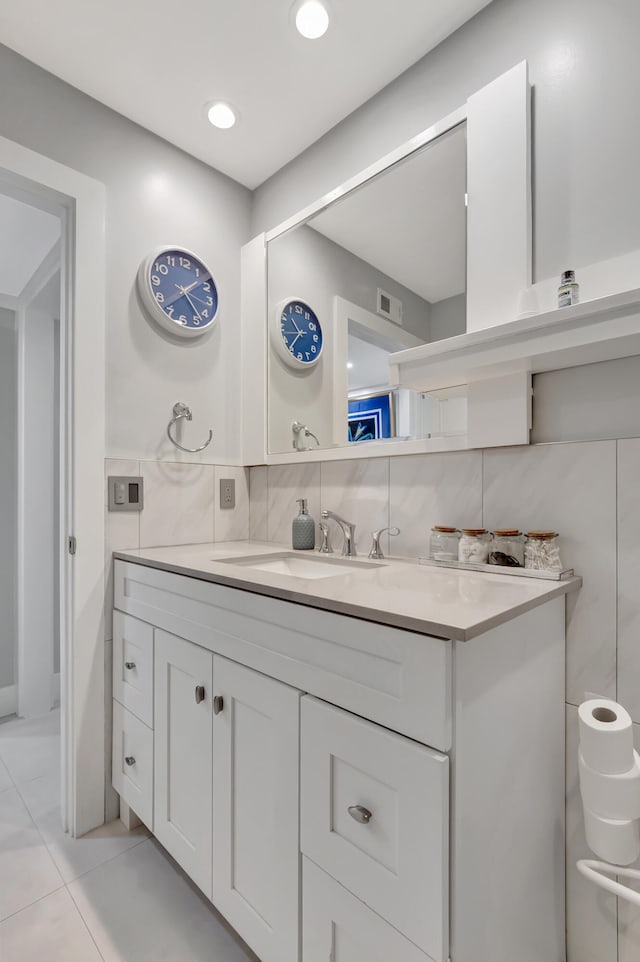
297,333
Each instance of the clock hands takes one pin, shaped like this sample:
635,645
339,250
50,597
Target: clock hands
192,305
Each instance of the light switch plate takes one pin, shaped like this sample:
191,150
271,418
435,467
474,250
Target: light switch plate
227,493
125,493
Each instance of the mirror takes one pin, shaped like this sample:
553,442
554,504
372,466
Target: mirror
379,270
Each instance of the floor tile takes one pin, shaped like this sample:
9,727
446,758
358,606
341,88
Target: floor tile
5,777
30,747
27,871
52,930
74,856
139,908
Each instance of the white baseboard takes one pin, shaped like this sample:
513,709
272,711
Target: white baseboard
8,700
55,690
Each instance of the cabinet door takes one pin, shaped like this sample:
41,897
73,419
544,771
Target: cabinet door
183,754
256,874
337,927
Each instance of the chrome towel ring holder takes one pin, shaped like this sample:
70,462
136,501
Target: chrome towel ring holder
183,411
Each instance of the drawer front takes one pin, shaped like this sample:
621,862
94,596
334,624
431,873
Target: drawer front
337,927
133,763
133,666
400,679
374,815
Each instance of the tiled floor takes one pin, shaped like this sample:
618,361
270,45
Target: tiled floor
112,896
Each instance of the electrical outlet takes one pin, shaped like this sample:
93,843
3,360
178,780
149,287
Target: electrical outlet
227,493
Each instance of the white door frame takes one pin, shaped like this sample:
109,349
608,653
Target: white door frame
81,202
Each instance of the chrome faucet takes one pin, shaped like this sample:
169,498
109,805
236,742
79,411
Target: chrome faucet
348,531
376,550
325,547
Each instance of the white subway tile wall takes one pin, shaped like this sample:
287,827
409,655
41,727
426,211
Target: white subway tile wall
589,491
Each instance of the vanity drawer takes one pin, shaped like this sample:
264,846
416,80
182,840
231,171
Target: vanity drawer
133,666
133,763
374,815
337,927
398,678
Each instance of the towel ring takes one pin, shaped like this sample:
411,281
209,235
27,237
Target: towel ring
180,411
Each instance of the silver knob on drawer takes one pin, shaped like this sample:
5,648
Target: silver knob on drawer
218,704
199,694
130,760
129,665
360,814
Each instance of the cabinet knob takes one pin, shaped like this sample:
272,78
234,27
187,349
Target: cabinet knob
199,694
360,814
129,665
130,760
218,704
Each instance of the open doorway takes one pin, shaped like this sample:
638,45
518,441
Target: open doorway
30,475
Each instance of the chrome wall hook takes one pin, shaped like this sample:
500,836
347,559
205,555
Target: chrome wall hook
183,411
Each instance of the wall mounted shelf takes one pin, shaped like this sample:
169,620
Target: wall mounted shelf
597,330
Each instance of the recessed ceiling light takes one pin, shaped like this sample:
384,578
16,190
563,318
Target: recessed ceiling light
221,115
312,19
349,364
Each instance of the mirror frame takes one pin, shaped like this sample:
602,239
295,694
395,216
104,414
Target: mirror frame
498,118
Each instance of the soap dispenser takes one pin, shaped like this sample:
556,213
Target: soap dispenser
303,529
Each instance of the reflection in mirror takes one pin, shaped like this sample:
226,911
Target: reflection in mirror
380,270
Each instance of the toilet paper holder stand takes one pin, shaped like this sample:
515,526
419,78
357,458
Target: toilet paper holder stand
599,872
595,870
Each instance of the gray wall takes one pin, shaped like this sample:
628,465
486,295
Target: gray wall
8,496
156,195
585,69
448,317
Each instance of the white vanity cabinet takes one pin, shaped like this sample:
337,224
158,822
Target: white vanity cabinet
183,755
342,790
256,877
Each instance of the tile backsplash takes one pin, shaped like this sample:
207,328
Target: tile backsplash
589,491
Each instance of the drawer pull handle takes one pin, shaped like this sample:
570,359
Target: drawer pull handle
199,694
129,665
360,814
130,760
218,704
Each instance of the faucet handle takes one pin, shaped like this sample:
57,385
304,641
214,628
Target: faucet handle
376,550
325,547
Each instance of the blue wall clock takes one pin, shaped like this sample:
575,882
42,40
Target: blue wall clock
178,291
296,333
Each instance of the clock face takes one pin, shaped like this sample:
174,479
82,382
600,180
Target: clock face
179,291
300,334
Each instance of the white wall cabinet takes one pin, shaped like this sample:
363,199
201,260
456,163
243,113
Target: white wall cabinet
342,791
183,778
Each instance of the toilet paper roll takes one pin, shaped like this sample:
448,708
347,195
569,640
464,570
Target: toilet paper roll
611,796
612,840
606,736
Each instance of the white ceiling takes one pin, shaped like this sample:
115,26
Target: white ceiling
159,62
26,237
410,222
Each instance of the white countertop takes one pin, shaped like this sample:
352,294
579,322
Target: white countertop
395,591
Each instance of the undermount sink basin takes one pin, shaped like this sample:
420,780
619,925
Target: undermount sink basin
295,565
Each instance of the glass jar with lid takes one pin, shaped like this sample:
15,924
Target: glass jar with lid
542,551
507,548
443,543
473,546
